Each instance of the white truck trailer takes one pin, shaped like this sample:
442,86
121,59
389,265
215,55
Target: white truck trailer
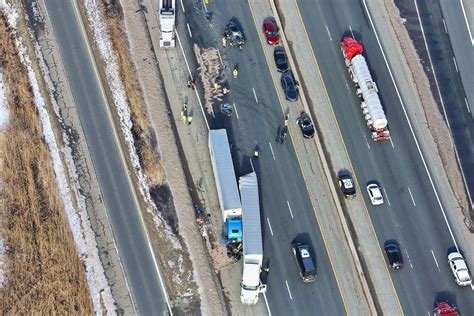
366,89
251,285
226,183
167,21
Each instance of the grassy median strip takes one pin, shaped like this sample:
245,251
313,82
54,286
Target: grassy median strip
44,273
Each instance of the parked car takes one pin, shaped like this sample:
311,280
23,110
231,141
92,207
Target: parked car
305,262
346,183
306,125
459,269
270,30
394,255
289,86
234,35
281,60
375,194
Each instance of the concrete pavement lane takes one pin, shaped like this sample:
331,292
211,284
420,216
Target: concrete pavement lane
138,263
419,228
280,179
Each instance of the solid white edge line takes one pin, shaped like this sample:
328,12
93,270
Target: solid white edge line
266,304
467,105
327,29
255,95
191,75
455,64
289,207
271,148
412,199
220,58
467,23
432,66
288,288
270,226
445,28
235,108
189,30
386,196
411,127
436,261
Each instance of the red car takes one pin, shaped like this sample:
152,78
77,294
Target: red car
270,29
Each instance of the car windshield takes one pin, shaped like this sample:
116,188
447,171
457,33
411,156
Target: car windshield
272,33
250,288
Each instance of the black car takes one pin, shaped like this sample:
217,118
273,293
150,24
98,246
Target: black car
394,255
306,125
281,59
305,262
347,184
234,35
289,86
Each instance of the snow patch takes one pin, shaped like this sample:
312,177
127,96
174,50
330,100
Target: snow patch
4,115
114,80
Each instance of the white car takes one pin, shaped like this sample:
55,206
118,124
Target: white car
459,268
375,194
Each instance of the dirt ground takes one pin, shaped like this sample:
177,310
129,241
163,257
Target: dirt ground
45,274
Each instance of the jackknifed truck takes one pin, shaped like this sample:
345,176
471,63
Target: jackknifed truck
251,285
226,184
167,21
366,89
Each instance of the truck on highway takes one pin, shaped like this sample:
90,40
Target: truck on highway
226,184
366,89
444,309
251,285
167,21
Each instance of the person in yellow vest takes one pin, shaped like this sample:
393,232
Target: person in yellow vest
190,119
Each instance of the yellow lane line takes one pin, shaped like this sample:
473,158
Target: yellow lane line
347,153
299,163
122,155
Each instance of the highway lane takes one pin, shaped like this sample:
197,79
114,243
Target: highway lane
140,269
280,179
417,223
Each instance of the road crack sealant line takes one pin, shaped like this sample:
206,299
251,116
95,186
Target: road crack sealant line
122,158
325,165
410,125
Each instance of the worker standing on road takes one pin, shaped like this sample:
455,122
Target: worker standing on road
190,119
224,42
184,112
287,116
235,72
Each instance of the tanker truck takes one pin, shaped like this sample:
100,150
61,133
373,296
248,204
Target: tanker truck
366,89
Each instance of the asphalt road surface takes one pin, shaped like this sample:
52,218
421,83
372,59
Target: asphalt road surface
411,214
132,243
281,183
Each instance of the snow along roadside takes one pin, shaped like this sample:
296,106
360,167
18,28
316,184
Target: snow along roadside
78,220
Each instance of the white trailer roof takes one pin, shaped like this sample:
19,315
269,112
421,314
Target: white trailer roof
224,173
251,226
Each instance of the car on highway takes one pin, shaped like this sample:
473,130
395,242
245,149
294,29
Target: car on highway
459,268
302,254
281,60
270,30
346,183
375,194
234,34
306,125
289,86
394,255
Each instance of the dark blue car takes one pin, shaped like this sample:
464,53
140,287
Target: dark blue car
289,86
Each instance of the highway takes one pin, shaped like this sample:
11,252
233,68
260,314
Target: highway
141,270
287,211
411,214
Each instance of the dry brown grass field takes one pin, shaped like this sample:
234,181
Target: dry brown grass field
44,275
